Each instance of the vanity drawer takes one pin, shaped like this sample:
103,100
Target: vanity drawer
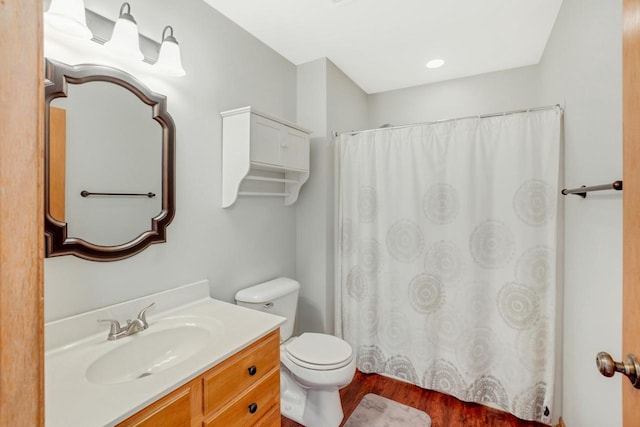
241,371
272,419
254,408
177,409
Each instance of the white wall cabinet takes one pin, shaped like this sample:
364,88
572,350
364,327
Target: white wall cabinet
262,156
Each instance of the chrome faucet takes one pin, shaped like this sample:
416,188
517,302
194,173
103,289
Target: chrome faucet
132,327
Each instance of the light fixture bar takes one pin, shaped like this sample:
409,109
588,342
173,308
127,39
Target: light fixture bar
102,28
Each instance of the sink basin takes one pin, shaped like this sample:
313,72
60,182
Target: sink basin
150,352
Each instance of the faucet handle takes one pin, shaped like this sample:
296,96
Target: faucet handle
143,315
115,328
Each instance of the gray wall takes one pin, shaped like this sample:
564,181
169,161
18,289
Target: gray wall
252,241
581,67
487,93
311,239
328,101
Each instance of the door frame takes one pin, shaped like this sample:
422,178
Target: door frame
631,200
21,218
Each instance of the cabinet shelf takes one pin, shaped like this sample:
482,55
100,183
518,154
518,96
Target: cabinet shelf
268,179
264,194
262,156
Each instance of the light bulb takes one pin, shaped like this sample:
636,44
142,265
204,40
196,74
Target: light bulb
169,59
68,17
124,39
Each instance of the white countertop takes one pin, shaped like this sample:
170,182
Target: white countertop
72,400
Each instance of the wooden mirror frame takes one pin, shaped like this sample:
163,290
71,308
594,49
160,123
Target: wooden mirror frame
57,243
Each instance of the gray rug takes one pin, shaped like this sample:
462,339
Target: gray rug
378,411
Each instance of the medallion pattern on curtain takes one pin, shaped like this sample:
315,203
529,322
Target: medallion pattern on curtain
447,256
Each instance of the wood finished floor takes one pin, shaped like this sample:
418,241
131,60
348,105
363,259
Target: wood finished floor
444,410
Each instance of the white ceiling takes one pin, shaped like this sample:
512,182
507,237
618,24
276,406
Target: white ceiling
384,45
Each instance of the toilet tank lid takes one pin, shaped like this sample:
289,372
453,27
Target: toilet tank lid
268,291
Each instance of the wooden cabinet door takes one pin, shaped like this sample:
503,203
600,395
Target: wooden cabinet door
181,408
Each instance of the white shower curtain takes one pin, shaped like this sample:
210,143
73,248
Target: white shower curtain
446,263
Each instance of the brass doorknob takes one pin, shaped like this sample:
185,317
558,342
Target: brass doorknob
630,367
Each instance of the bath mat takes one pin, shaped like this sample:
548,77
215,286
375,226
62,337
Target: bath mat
378,411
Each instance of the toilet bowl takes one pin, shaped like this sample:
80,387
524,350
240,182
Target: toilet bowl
314,367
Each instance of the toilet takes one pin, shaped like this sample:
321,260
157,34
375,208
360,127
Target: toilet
313,367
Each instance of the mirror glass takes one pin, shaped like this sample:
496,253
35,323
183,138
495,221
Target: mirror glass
109,155
112,146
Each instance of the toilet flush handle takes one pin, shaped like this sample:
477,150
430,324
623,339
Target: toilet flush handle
268,305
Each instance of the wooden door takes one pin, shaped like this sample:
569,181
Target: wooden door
57,162
631,202
21,214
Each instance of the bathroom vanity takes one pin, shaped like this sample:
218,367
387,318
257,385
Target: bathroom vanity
201,362
243,390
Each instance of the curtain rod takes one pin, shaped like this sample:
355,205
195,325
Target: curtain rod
482,116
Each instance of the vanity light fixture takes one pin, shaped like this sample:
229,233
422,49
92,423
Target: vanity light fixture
435,63
121,38
124,39
68,16
169,60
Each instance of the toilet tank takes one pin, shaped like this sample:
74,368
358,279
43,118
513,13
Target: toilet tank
278,296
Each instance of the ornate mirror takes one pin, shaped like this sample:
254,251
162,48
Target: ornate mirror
109,163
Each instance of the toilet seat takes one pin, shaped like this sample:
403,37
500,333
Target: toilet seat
320,352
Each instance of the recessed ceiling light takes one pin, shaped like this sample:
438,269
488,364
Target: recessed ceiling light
435,63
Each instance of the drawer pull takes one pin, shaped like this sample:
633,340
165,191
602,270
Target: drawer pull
253,370
253,408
